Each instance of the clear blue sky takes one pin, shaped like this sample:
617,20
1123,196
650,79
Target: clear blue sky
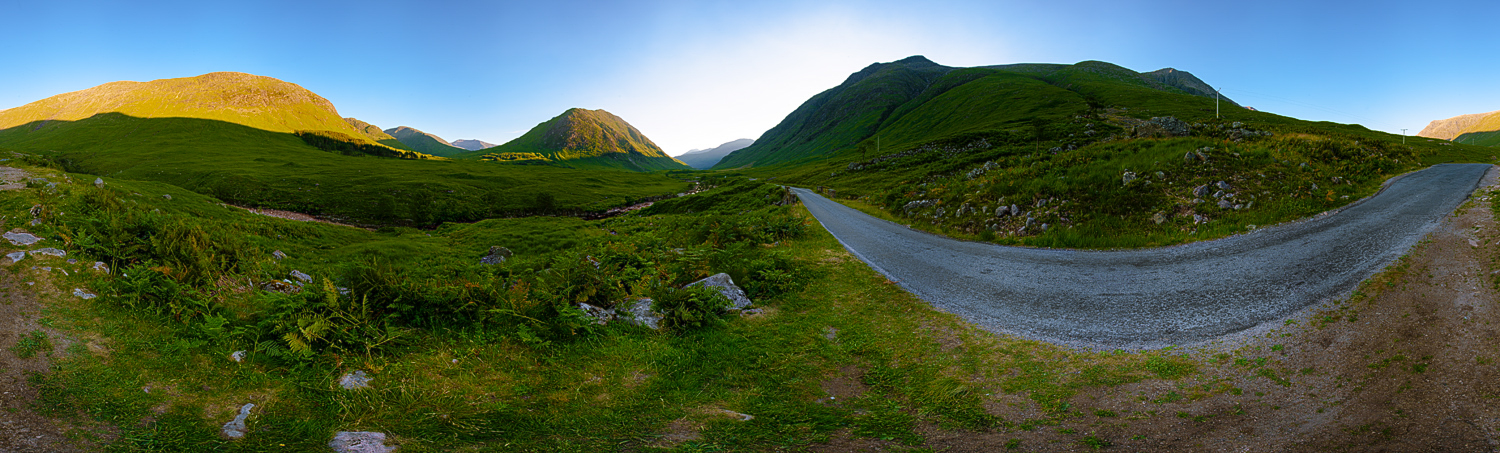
697,74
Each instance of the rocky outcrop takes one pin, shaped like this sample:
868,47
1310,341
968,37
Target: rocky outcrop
1451,128
725,285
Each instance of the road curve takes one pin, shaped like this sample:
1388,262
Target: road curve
1153,298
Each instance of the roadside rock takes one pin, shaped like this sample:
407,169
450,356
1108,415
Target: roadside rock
641,314
236,428
355,380
21,238
497,255
721,281
360,442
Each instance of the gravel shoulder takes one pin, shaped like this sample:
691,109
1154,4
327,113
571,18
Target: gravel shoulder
1182,295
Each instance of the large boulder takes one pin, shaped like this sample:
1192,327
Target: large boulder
360,442
497,255
641,314
725,285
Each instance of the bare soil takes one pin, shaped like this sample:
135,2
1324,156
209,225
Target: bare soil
21,428
1411,363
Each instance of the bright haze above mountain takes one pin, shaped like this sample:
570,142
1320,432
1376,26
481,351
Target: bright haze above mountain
697,74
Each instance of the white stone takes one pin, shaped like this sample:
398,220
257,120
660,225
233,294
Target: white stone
360,442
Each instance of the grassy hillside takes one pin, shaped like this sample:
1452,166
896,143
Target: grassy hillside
374,132
583,139
1452,128
254,167
1489,138
1090,155
424,142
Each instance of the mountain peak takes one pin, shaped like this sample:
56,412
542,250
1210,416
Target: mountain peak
423,142
584,137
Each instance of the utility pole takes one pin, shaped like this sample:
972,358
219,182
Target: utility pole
1216,103
1403,136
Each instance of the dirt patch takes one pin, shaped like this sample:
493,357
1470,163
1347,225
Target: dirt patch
26,347
1410,363
844,385
12,178
297,216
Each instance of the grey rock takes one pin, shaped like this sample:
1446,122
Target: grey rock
1159,218
601,316
50,252
1127,177
1201,191
167,196
721,281
1002,211
1199,219
99,182
280,286
355,380
1014,210
1171,125
1314,186
1224,185
237,356
641,314
497,255
236,428
101,267
278,255
360,442
301,276
16,256
1189,158
36,210
85,295
1219,194
35,222
21,238
1225,204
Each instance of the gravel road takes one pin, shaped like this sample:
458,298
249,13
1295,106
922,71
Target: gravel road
1155,297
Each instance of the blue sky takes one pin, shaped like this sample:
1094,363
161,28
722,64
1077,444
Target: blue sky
697,74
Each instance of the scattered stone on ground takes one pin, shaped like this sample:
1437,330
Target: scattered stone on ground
601,316
497,255
167,196
16,256
101,267
49,251
360,442
85,295
237,356
236,428
278,255
725,285
21,238
280,286
99,182
641,314
355,380
301,276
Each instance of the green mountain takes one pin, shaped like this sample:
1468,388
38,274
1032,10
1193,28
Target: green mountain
471,144
583,139
374,132
1481,129
704,159
914,100
261,142
424,142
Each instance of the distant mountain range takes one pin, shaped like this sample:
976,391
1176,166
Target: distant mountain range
1475,129
913,100
703,159
472,145
373,132
586,139
424,142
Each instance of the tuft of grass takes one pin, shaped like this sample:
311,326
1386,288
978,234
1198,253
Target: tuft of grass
29,345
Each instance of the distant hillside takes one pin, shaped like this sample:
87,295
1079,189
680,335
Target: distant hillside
703,159
248,100
373,132
584,139
1475,129
424,142
914,100
472,145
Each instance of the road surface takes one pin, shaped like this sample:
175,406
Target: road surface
1153,298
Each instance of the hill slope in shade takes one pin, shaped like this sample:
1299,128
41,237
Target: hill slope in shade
423,142
1475,129
584,139
249,100
374,132
704,159
472,145
914,100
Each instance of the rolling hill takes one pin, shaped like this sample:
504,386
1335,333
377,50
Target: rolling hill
704,159
374,132
1481,129
471,145
914,100
583,138
261,142
424,142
